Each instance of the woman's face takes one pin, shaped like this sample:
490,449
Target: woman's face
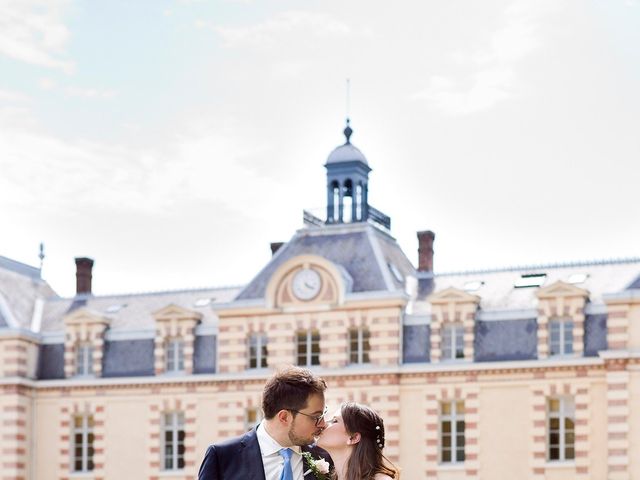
334,435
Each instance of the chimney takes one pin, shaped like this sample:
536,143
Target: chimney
275,246
425,251
83,275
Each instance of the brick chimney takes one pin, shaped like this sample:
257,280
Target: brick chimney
425,251
83,275
275,246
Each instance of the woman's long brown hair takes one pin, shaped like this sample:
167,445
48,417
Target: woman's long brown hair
366,458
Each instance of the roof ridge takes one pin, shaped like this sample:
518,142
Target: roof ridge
577,263
19,267
151,292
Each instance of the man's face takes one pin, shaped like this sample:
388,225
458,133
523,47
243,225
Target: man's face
303,429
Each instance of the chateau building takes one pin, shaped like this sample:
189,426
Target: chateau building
511,373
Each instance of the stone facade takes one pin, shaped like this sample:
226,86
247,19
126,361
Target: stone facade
478,375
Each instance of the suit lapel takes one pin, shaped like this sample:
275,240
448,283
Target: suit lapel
305,466
317,454
252,465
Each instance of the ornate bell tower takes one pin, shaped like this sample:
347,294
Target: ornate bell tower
347,183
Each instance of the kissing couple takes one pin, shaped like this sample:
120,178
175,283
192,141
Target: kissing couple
296,440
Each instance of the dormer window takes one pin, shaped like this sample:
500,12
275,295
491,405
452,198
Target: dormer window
560,337
174,355
84,359
453,341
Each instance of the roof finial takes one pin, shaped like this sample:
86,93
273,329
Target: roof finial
41,256
348,131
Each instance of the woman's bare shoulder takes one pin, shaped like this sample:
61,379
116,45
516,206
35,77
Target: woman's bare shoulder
382,476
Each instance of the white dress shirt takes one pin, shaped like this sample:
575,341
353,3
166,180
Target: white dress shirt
273,461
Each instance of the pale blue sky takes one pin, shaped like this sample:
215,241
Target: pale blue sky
173,140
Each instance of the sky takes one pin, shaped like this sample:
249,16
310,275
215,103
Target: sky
173,140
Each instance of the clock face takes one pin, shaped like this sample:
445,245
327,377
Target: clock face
306,284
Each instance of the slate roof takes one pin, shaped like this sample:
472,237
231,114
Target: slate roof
497,289
134,312
361,249
346,153
20,286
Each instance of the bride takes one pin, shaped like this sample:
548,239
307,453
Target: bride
354,437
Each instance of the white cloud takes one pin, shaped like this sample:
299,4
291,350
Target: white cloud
47,174
281,26
90,92
46,83
12,96
488,75
488,87
33,31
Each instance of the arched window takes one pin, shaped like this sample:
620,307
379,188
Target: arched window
359,202
347,201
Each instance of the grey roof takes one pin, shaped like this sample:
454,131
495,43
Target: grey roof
134,312
361,249
128,358
497,288
18,267
346,153
506,340
20,288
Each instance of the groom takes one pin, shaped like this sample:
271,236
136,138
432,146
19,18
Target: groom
294,409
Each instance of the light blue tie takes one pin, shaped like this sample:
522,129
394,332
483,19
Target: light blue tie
287,473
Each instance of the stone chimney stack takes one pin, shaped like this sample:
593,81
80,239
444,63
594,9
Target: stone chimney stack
83,275
425,251
275,246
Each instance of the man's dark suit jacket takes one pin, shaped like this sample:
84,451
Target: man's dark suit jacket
240,459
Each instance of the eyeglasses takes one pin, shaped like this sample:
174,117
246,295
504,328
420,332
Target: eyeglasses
316,418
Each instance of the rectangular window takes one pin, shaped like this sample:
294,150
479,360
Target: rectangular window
174,355
253,416
173,441
258,351
452,341
561,428
452,432
84,359
83,443
359,345
308,348
560,337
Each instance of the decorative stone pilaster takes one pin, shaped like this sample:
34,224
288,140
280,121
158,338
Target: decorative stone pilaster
618,412
561,301
18,356
84,326
175,322
623,319
15,439
448,306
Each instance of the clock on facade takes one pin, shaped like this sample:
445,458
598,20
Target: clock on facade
306,284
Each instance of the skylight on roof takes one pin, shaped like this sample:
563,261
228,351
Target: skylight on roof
202,302
396,273
472,286
530,280
115,308
577,278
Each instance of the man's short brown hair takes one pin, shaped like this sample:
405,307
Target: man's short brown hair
289,389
